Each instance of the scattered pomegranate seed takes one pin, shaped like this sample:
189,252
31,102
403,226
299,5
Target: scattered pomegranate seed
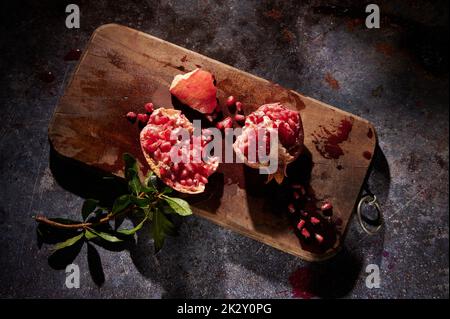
291,208
231,100
315,220
305,233
239,106
239,118
326,206
303,213
319,238
149,107
211,117
296,195
225,123
300,188
300,224
143,118
131,116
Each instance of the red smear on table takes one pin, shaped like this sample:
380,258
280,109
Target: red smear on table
334,84
385,253
327,140
370,133
73,55
183,59
351,24
274,14
384,48
367,155
302,281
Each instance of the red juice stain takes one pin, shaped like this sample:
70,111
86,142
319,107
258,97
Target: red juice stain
334,84
73,55
367,155
47,77
370,133
302,281
183,59
338,221
327,140
385,254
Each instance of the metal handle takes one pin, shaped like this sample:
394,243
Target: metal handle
372,201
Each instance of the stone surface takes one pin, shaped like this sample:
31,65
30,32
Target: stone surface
395,76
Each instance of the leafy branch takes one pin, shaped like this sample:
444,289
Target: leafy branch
145,201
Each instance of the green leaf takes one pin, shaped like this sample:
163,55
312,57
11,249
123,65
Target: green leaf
161,227
88,207
131,167
149,183
89,235
132,230
140,202
68,242
121,203
167,190
180,206
106,236
134,184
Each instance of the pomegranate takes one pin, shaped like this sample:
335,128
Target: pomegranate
264,120
196,89
149,107
131,116
189,176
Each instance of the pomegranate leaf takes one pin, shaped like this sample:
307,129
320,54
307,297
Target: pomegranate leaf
88,207
140,202
121,203
134,184
179,206
132,230
89,235
160,228
68,242
106,236
131,167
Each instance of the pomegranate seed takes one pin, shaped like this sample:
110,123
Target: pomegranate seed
326,206
291,208
238,106
231,100
296,195
131,116
315,220
149,107
143,118
219,125
300,224
162,171
305,233
165,147
239,118
319,238
218,108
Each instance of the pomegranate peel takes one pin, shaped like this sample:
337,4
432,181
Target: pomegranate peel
196,89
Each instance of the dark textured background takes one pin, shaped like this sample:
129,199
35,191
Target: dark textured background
396,77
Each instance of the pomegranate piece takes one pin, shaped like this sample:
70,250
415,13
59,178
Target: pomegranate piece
196,89
327,206
238,107
190,175
291,208
315,220
270,118
300,224
149,108
239,118
305,233
231,100
225,123
131,116
319,238
142,118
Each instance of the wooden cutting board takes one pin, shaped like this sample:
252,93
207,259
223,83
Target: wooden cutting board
121,69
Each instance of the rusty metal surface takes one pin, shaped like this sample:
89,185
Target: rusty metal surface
396,77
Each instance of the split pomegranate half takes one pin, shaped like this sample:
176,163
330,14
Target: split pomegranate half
189,174
262,122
